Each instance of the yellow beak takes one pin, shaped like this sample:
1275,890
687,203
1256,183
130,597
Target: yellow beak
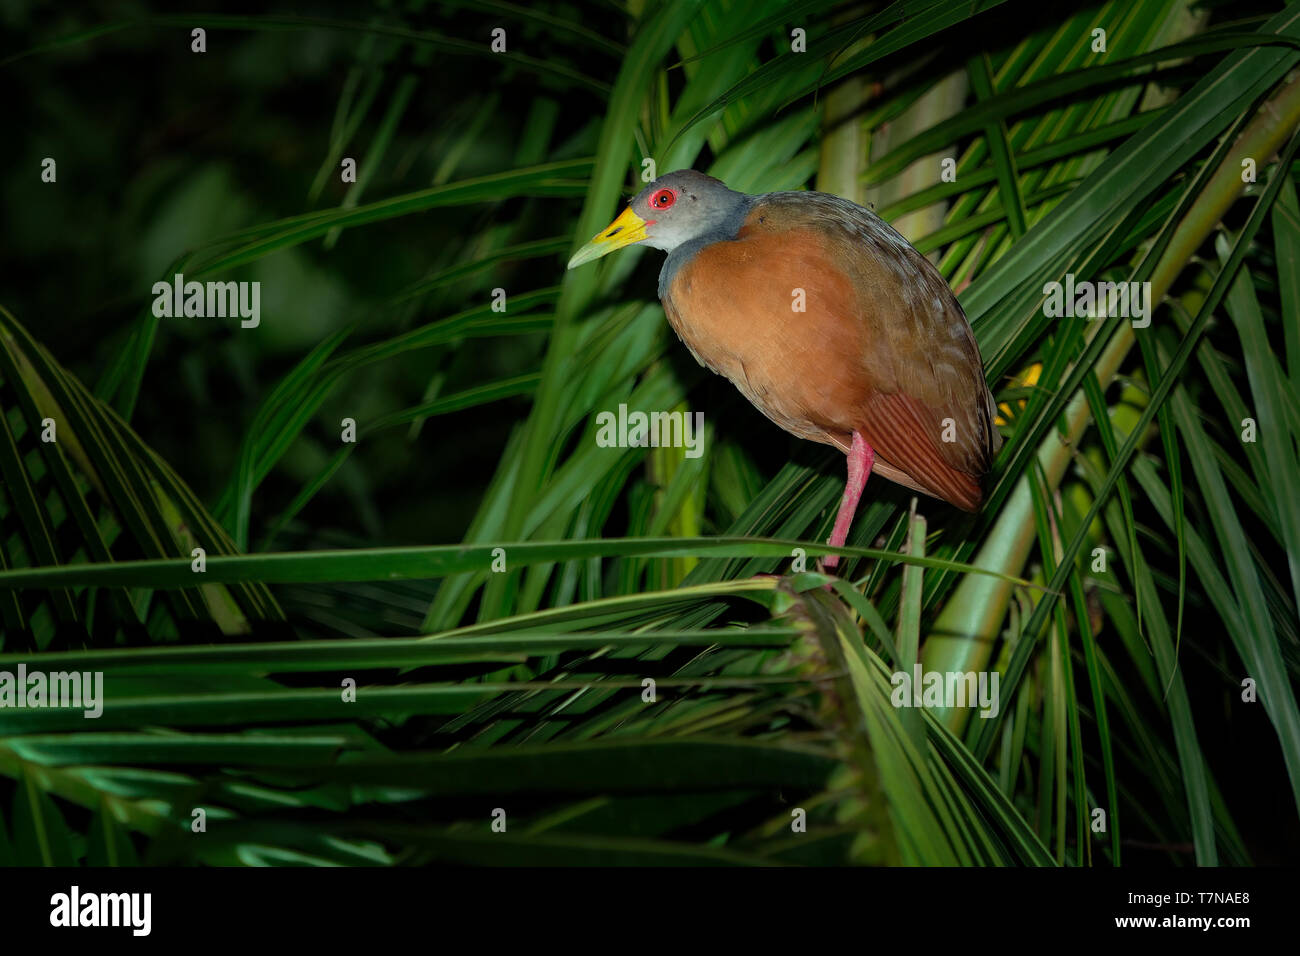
623,231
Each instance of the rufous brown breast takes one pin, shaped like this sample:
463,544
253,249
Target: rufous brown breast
828,321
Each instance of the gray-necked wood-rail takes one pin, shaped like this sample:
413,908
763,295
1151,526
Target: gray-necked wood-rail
829,322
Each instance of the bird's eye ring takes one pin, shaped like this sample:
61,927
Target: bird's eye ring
663,199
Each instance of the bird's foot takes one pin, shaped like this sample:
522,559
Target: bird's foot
828,565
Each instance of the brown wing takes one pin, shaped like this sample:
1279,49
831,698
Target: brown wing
881,345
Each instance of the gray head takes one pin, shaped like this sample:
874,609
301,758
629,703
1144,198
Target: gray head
676,208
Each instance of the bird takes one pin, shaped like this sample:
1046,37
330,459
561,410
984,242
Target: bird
829,322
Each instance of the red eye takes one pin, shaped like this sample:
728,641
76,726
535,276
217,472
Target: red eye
663,199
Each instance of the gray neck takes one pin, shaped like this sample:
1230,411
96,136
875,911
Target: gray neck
728,229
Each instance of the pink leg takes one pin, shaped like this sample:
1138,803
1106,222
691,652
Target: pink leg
861,458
